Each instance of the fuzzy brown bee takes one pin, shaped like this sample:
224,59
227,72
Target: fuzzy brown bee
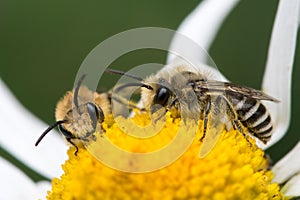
78,123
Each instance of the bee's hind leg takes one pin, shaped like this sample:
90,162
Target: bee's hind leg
237,125
235,122
205,120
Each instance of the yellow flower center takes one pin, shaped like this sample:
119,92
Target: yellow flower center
234,169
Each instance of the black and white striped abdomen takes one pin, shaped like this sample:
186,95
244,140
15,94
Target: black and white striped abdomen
254,115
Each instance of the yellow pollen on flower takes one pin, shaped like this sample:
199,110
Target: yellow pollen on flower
234,169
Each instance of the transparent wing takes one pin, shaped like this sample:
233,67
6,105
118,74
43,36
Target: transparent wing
217,87
216,122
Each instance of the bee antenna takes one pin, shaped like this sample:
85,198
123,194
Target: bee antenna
147,87
114,71
47,131
121,87
75,99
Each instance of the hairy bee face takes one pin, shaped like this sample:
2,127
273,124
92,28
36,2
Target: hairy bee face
85,119
78,123
82,121
172,89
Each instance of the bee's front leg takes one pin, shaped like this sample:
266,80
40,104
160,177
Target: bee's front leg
69,140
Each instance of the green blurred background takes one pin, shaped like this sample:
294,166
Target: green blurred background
43,43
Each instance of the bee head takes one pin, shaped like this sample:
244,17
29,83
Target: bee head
154,95
82,120
159,98
79,119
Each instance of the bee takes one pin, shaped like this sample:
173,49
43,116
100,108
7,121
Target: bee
78,123
198,94
195,92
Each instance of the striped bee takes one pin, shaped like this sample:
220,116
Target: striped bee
196,93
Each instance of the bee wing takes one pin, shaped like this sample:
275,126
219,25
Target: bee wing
216,87
217,118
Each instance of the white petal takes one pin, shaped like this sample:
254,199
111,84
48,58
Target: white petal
15,184
278,73
43,187
19,131
201,26
288,166
292,187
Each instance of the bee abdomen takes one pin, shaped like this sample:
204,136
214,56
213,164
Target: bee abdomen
255,117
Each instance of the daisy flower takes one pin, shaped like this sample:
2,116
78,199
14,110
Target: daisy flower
232,170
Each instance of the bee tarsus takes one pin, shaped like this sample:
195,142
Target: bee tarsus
70,141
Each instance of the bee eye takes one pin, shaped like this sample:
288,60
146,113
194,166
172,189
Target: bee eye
95,113
64,131
162,96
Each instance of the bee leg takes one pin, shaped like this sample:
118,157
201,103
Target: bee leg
103,130
88,135
235,122
85,137
205,121
69,140
238,126
160,116
169,106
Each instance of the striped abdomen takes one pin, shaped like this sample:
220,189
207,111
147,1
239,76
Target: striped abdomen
253,115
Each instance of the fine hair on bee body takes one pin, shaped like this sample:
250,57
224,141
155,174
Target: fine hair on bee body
78,123
240,105
80,113
200,94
